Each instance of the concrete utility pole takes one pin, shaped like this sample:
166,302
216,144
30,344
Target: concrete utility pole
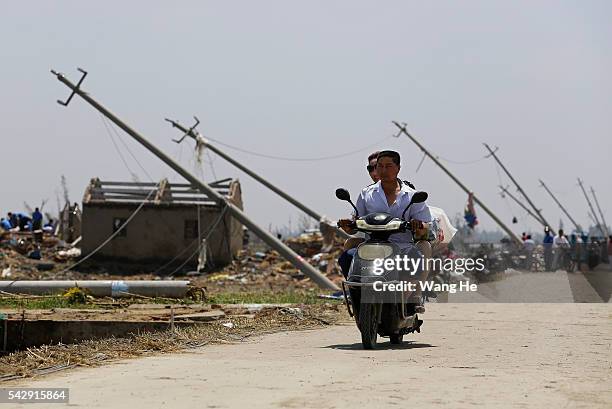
402,129
529,212
518,187
600,212
578,228
591,207
201,140
272,241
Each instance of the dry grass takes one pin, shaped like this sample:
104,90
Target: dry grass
50,358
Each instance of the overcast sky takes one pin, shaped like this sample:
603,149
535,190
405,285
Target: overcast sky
313,79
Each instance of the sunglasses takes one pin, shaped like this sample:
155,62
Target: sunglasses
370,168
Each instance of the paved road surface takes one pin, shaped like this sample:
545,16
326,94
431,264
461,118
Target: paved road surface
468,355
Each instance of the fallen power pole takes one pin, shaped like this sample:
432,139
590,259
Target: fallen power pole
99,288
576,225
501,224
591,207
201,140
529,212
518,187
603,219
272,241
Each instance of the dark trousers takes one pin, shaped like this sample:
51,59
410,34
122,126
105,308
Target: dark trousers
345,260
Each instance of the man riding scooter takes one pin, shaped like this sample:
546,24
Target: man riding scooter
391,195
357,239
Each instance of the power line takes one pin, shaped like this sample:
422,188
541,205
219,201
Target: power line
467,162
212,166
320,158
210,231
129,150
117,147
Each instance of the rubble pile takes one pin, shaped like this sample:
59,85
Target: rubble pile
22,257
271,271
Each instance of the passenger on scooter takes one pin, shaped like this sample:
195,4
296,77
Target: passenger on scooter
391,195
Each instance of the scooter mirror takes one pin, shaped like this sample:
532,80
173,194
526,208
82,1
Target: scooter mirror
419,197
343,194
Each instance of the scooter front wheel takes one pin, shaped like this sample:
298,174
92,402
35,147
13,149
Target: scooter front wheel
368,325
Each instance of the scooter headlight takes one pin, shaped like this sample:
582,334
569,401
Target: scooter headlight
374,251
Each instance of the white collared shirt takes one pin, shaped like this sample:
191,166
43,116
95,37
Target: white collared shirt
372,199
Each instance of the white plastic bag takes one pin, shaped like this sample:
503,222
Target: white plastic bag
442,225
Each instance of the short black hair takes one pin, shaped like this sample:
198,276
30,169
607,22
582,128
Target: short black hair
395,156
373,155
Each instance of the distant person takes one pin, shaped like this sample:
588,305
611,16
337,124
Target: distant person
560,246
24,221
548,249
37,219
13,219
5,224
529,246
49,227
610,246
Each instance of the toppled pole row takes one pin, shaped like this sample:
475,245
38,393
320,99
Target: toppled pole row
510,233
235,211
540,218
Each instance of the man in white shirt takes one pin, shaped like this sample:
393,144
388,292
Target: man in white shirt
391,195
560,246
529,246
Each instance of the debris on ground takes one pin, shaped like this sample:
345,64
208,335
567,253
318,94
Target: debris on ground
269,270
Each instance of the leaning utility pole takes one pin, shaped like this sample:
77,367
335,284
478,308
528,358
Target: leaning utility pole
201,140
591,207
529,212
272,241
402,129
600,212
518,187
578,228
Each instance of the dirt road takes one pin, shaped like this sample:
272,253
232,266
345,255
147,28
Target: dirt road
468,355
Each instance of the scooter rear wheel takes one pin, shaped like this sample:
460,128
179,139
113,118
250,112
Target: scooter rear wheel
368,325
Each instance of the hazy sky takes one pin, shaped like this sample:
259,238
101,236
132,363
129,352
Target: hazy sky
312,79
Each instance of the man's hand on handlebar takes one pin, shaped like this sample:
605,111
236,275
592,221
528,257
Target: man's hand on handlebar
348,225
419,229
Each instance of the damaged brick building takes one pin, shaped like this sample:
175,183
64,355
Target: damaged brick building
169,227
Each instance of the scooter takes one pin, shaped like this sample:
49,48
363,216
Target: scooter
386,313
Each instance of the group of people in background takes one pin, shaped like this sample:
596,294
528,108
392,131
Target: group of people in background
561,250
19,221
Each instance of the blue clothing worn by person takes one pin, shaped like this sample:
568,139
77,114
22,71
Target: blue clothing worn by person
5,224
24,221
37,216
37,219
14,220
